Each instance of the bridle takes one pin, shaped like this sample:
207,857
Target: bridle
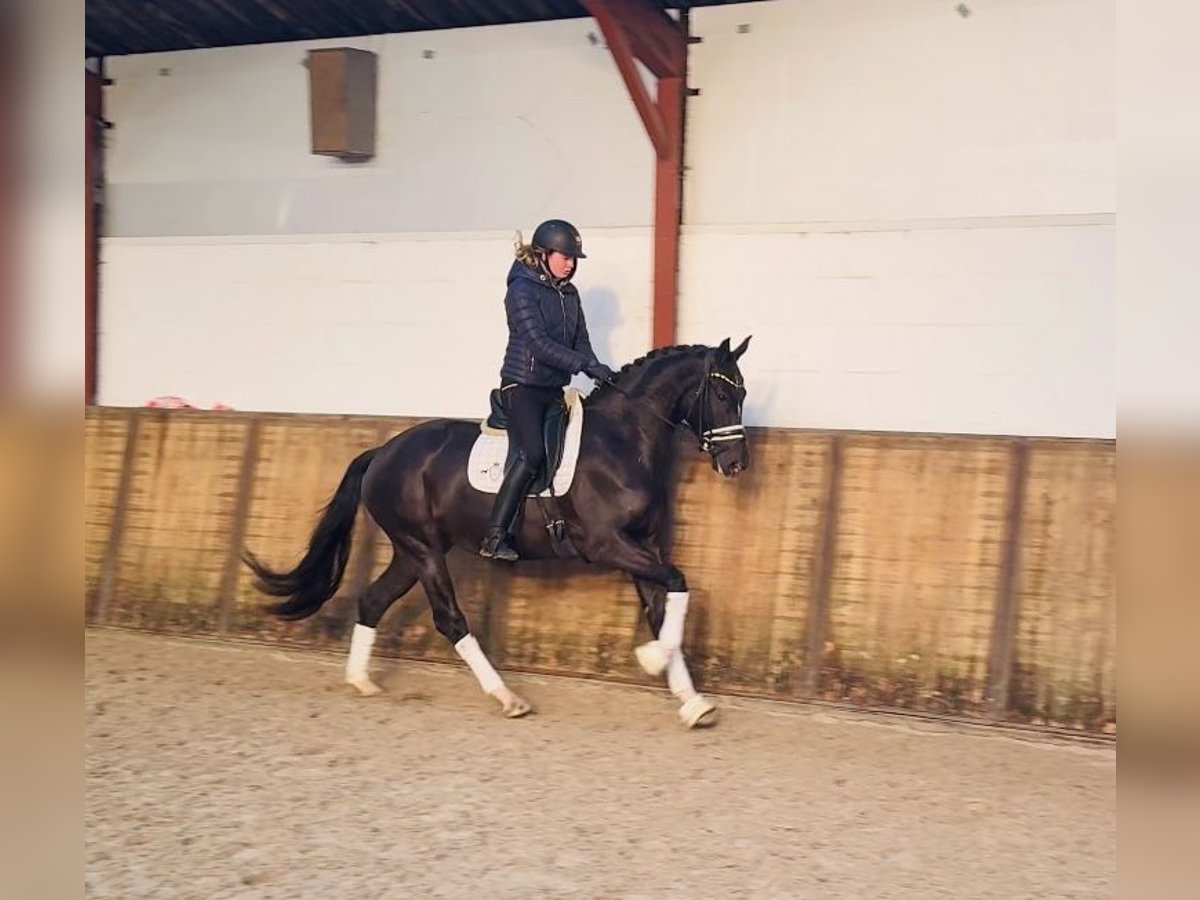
711,439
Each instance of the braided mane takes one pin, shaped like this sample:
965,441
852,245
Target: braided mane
642,361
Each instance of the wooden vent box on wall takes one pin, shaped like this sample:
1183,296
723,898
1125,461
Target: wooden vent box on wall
341,82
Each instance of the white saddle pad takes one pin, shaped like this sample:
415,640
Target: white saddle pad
485,468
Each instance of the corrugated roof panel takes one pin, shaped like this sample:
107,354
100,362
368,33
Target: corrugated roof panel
116,27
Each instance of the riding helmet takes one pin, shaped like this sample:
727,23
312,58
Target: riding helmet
556,234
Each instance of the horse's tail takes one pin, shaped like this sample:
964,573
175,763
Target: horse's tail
316,577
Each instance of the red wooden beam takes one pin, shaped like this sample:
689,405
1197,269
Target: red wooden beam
656,39
668,202
639,30
620,45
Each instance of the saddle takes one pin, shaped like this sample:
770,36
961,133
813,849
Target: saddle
554,432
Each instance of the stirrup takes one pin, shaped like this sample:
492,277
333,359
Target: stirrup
495,546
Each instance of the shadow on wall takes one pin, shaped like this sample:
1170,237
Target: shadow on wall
602,310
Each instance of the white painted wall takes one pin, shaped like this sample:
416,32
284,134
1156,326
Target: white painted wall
216,142
911,210
996,329
394,324
862,110
241,269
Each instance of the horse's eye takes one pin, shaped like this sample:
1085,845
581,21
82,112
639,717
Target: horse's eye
721,396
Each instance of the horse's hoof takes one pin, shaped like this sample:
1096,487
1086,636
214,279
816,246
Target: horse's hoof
514,707
651,658
517,709
698,712
365,686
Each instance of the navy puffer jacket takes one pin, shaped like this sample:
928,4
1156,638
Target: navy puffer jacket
547,337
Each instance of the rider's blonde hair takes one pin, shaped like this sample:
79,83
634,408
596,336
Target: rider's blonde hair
526,254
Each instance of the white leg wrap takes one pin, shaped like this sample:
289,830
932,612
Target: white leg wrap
468,648
651,658
670,636
679,680
361,642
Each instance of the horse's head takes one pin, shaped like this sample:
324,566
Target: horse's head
718,422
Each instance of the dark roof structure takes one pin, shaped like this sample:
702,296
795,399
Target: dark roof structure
116,27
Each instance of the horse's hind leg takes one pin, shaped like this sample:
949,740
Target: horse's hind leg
390,586
449,620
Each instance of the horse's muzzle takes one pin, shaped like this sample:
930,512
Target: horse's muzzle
731,468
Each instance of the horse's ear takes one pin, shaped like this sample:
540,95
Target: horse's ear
741,348
723,350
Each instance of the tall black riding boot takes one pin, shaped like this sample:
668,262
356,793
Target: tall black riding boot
508,501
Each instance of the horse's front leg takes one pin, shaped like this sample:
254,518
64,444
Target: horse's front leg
666,616
654,656
695,710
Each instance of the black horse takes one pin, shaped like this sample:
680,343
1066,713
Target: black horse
416,488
